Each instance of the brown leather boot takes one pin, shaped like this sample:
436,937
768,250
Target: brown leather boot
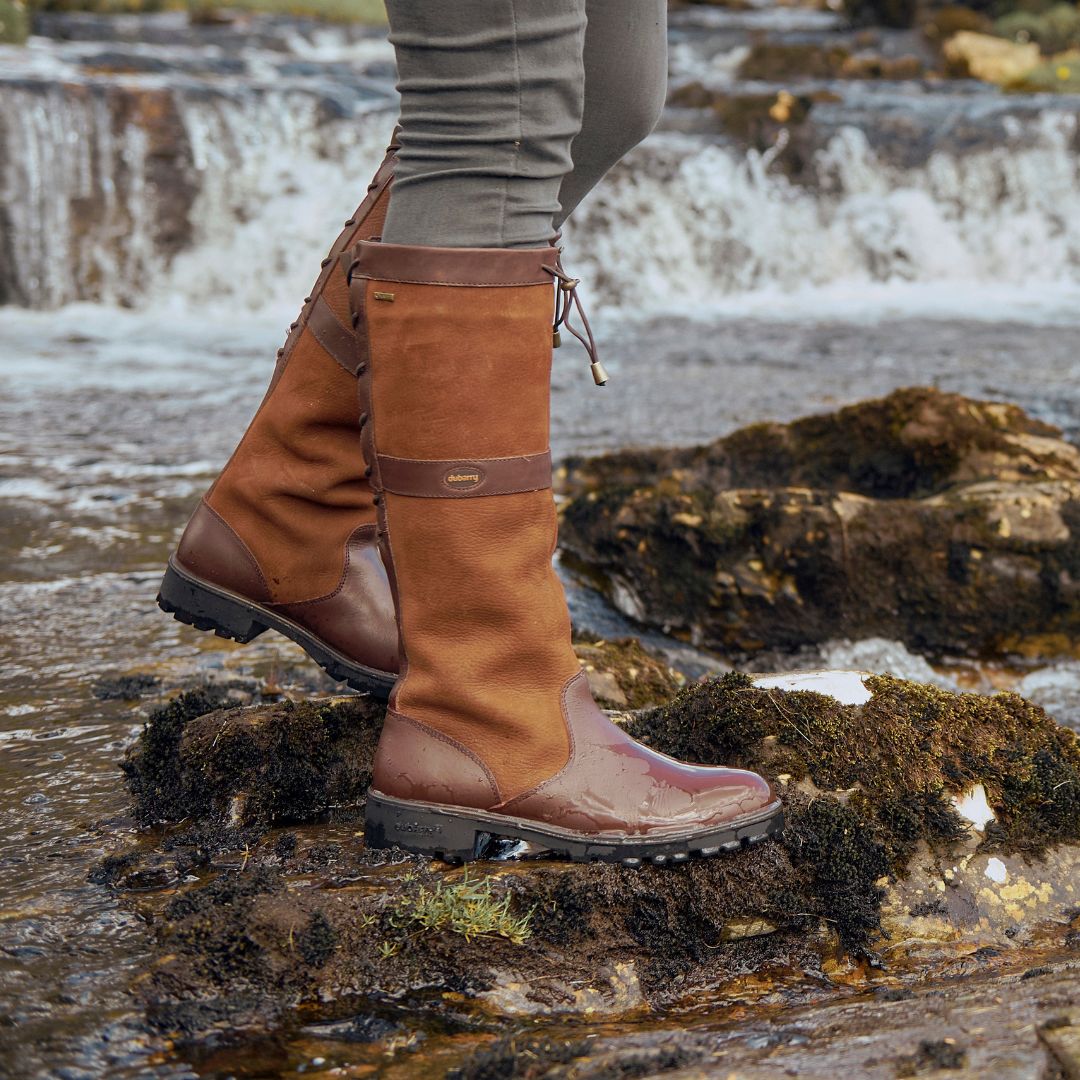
491,729
285,538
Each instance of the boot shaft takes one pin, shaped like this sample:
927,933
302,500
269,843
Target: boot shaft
454,386
294,491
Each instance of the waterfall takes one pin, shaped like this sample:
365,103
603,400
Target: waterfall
682,225
194,192
120,197
78,222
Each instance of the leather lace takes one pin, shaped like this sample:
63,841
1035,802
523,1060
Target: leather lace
566,301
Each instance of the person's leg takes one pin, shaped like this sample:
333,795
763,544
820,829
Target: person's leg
491,98
491,728
625,89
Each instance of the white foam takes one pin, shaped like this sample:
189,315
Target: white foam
847,687
683,226
988,234
973,807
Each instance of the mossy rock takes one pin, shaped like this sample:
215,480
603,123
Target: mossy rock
948,523
876,66
252,766
901,750
771,61
1055,30
14,22
941,24
869,768
623,675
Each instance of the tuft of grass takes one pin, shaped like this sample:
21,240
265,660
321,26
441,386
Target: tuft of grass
370,12
466,907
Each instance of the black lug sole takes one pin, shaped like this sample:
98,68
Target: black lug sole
206,607
457,835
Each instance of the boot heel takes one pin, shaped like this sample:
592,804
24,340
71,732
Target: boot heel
191,603
438,833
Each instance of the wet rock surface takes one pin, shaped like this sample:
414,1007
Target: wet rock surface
270,915
945,522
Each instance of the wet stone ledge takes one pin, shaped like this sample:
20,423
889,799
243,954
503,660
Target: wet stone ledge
929,834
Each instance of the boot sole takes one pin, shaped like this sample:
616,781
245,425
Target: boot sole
457,834
206,607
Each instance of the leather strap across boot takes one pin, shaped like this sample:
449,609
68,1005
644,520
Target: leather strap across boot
285,538
492,730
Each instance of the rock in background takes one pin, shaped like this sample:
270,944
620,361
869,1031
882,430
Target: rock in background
947,523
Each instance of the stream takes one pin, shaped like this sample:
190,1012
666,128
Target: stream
166,191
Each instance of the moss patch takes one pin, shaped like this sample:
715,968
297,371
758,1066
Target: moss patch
14,22
252,766
906,751
152,766
1054,30
623,675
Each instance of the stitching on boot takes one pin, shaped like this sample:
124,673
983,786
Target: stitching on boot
353,536
451,284
452,743
244,548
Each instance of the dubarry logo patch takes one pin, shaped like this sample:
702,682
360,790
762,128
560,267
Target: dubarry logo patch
463,477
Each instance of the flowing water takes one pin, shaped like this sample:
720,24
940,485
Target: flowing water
165,193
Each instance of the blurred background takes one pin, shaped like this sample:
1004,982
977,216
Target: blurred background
839,200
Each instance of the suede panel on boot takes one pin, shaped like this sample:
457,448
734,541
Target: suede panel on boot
336,294
294,491
472,654
472,383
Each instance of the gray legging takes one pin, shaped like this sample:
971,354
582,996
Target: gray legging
512,110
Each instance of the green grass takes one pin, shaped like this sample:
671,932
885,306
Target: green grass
14,22
466,907
362,11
